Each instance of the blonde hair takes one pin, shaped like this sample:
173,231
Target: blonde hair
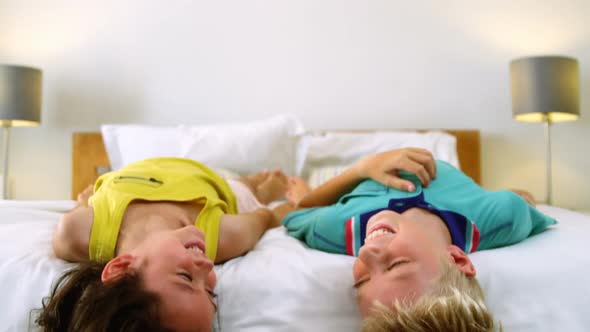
455,303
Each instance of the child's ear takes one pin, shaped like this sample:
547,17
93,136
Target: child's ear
116,268
461,260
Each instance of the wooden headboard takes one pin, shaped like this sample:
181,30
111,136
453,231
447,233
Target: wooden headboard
89,157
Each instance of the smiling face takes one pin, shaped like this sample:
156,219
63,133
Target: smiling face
172,264
401,257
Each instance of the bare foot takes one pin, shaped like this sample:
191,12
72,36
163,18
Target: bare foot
298,188
272,188
85,195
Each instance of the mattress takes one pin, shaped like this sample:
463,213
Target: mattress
540,284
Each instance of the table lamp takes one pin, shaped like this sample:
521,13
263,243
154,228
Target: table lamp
545,89
20,105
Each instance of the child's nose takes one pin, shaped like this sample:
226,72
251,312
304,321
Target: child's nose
372,255
203,264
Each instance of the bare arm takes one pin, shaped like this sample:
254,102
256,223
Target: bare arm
239,233
72,236
381,167
329,192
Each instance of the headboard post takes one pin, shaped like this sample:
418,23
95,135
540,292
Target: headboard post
88,155
469,152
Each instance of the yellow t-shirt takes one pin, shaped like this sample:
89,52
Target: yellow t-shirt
157,179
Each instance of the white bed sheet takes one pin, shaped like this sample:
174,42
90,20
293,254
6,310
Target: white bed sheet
540,284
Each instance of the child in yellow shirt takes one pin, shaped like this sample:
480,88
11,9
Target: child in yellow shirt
148,236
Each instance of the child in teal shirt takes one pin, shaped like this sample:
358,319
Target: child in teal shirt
409,241
477,219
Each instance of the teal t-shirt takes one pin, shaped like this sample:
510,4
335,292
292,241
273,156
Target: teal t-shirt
476,218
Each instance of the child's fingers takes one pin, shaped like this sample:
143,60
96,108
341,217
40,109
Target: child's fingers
417,168
278,174
426,161
396,182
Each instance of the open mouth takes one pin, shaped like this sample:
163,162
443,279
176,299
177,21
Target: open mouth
196,247
379,231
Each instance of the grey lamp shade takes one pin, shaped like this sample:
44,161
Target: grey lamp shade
20,96
545,88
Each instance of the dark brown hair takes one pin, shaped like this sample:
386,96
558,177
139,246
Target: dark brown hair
80,301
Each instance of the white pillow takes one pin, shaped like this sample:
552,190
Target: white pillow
238,147
128,143
321,174
246,147
338,150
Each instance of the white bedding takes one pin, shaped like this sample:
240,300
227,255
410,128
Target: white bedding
540,284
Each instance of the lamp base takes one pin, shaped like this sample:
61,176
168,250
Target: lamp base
8,188
548,183
5,177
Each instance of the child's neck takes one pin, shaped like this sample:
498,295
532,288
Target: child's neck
434,224
443,230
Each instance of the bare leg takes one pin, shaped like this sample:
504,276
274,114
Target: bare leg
298,188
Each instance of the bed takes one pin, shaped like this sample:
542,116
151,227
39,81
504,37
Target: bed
537,285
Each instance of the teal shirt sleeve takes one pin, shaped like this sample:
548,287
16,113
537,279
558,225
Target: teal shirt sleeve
317,229
502,217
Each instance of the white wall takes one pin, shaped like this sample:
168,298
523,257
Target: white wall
335,63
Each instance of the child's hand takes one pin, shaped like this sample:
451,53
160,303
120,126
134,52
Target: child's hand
280,212
384,167
273,187
297,189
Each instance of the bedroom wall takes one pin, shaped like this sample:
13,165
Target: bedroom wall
334,63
